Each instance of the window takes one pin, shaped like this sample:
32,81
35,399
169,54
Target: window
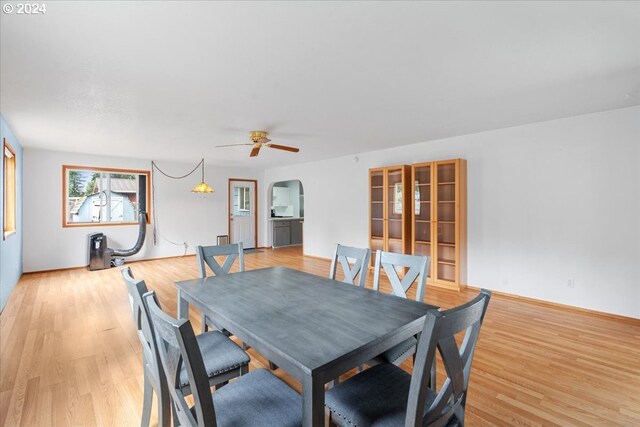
103,196
9,191
243,202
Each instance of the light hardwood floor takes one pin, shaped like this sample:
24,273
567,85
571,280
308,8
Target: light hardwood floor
70,355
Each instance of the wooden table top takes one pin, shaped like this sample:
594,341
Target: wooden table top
311,321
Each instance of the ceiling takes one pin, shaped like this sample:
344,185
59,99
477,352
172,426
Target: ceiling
170,80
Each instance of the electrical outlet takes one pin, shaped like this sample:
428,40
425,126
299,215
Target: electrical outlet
571,283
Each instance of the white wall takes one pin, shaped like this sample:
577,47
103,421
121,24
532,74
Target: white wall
547,202
182,216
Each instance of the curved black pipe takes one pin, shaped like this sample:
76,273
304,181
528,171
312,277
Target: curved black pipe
142,232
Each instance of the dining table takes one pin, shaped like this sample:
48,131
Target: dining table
312,327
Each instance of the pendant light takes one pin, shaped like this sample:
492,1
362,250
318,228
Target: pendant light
203,187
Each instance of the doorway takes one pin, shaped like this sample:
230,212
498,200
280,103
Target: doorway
243,219
285,200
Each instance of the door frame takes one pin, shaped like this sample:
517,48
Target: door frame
255,208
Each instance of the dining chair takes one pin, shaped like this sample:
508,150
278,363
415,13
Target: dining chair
359,268
223,359
206,257
385,395
258,398
154,380
416,269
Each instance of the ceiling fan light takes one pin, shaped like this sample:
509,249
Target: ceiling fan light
202,188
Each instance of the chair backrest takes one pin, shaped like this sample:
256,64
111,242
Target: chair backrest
178,347
418,268
150,357
206,256
360,264
440,329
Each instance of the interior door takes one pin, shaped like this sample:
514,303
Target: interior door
242,213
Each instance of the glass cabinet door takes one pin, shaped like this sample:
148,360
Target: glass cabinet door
376,197
445,225
421,215
395,203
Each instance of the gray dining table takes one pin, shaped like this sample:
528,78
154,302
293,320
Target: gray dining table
313,327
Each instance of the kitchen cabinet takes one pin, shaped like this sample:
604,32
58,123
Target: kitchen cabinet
296,232
281,233
287,232
281,196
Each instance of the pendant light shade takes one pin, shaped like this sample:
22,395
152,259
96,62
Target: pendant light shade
203,187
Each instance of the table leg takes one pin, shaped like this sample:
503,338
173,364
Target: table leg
183,306
312,402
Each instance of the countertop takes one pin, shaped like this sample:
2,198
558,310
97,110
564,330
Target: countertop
287,219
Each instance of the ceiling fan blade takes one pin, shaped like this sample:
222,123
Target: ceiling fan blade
230,145
283,147
254,152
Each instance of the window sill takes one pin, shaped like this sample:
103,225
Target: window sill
99,224
8,234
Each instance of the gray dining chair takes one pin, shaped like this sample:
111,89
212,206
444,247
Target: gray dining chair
154,380
206,257
223,359
385,395
258,398
416,269
360,258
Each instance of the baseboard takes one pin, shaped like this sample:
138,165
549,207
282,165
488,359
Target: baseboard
128,262
618,317
316,257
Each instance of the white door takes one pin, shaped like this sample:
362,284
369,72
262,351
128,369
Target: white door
242,212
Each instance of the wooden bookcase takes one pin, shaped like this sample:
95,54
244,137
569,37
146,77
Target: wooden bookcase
389,209
439,220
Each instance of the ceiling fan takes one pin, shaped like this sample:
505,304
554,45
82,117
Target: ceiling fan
259,139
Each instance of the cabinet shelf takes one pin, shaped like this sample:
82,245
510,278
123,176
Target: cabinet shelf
394,220
377,186
423,185
446,222
447,183
446,201
446,261
376,219
423,242
422,221
377,201
451,245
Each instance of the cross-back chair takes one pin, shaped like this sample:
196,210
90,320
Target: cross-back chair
359,268
387,395
154,380
416,270
224,360
206,257
255,399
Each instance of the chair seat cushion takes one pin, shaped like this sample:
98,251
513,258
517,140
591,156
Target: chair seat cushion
375,397
398,353
219,353
257,399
